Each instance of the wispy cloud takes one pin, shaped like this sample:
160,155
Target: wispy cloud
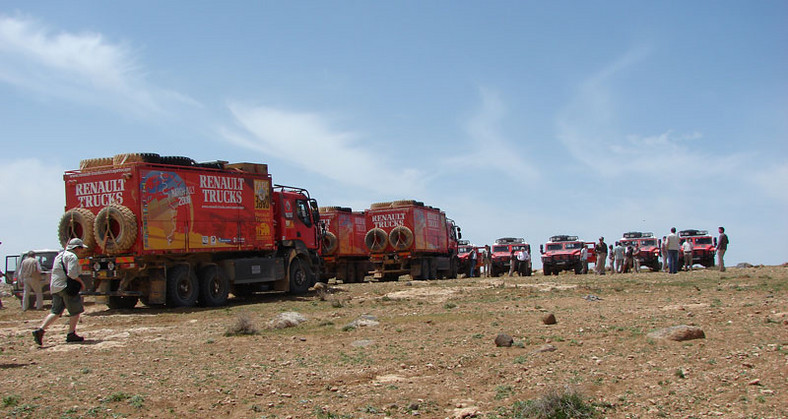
589,129
489,149
78,67
310,141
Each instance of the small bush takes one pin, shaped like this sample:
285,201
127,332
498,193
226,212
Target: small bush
557,404
10,401
243,325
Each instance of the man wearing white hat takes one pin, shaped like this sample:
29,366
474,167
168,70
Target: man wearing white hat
66,267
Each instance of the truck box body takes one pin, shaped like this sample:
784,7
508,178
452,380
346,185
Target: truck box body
345,256
182,209
409,237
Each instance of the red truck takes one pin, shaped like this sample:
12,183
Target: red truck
501,255
704,247
464,249
345,256
562,253
167,230
648,245
408,237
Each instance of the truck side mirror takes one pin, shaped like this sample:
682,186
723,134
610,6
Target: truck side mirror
715,242
541,248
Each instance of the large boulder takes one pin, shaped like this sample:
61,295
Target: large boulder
678,333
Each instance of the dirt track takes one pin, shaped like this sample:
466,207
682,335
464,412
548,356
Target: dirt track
432,353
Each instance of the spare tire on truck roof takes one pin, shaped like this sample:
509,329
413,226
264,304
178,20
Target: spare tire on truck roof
407,202
115,228
124,158
88,164
77,223
379,205
178,161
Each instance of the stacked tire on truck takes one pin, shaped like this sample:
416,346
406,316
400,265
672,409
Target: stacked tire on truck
408,237
169,230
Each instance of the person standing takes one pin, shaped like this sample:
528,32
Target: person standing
584,259
601,256
673,247
663,250
512,262
629,254
487,261
722,247
65,267
523,257
619,252
636,257
30,275
686,248
472,262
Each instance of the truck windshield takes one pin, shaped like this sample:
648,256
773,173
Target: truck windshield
555,246
574,245
497,249
703,240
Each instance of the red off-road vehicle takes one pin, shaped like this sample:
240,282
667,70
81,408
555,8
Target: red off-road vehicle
464,248
704,247
562,253
649,248
501,255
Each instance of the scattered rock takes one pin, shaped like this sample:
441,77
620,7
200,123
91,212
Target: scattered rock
678,333
744,265
592,297
503,340
549,318
755,382
365,320
362,343
546,348
466,412
287,319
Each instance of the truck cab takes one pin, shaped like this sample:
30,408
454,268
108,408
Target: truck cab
562,253
648,245
502,252
704,247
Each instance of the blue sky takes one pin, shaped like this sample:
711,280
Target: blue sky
517,118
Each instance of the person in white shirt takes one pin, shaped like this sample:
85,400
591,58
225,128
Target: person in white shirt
30,276
673,246
687,249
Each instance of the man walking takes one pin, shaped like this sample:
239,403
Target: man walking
30,276
673,246
65,267
722,247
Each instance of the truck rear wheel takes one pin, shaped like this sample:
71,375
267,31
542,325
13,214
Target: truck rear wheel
121,303
546,270
115,228
182,288
77,223
214,286
300,277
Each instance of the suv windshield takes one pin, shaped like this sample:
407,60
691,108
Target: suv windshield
497,249
555,246
650,242
703,240
574,245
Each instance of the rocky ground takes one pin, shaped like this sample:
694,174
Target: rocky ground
420,348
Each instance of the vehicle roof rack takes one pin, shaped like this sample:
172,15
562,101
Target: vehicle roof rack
693,233
563,238
637,235
510,240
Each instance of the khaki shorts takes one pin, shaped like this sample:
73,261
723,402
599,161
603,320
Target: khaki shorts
62,301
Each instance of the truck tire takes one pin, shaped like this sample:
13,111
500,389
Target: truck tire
401,238
115,228
329,243
125,158
88,164
77,223
182,287
546,270
300,277
376,239
214,286
177,161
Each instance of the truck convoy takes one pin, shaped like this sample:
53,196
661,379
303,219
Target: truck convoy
168,230
345,256
408,237
703,246
562,253
501,256
648,246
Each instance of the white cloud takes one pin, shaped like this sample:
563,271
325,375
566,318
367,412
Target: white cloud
84,68
309,141
488,148
771,181
33,202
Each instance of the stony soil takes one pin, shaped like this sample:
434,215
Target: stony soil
432,352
